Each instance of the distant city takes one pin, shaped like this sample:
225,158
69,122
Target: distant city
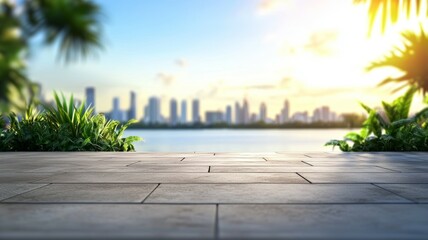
239,114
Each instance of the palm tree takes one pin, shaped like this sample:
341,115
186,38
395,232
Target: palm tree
412,59
73,25
391,11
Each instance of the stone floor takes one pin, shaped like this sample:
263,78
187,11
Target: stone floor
291,195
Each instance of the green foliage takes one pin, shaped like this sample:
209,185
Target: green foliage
411,60
390,11
64,128
390,130
72,25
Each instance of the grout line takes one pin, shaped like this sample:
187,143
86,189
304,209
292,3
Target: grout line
216,227
182,159
132,163
209,168
304,178
388,169
45,185
307,163
148,195
216,203
411,200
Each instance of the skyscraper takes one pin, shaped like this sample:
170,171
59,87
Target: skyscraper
132,112
285,112
154,110
117,113
238,119
195,111
325,113
228,117
263,112
173,115
90,97
213,117
245,112
183,117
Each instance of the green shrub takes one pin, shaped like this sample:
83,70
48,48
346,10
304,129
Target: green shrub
64,128
392,130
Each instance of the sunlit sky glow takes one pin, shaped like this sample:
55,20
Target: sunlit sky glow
312,52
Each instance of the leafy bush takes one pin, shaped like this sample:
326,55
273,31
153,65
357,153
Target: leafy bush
389,130
64,128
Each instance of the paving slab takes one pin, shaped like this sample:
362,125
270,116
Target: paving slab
366,177
147,169
8,190
87,193
307,168
379,221
106,221
272,193
113,177
415,192
11,177
224,159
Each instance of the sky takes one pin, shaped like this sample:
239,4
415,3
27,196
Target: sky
311,52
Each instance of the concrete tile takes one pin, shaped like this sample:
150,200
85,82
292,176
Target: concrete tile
297,169
366,177
113,177
415,192
81,193
83,221
12,177
224,159
272,193
147,168
8,190
364,221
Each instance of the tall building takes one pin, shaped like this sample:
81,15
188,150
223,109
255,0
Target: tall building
316,116
263,112
154,110
245,112
173,113
228,117
285,112
117,113
196,118
213,117
146,114
238,119
90,97
183,117
302,117
132,112
325,113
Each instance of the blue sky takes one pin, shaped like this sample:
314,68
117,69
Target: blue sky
312,52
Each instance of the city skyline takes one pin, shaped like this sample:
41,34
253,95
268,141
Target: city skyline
223,50
240,115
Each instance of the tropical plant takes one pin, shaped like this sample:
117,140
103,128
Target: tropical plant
411,60
389,130
73,25
64,127
390,11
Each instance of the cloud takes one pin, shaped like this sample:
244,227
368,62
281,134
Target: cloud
285,82
320,42
266,7
165,78
181,62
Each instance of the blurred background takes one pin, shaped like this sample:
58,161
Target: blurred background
212,75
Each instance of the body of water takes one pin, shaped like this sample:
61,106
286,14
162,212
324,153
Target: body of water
235,140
